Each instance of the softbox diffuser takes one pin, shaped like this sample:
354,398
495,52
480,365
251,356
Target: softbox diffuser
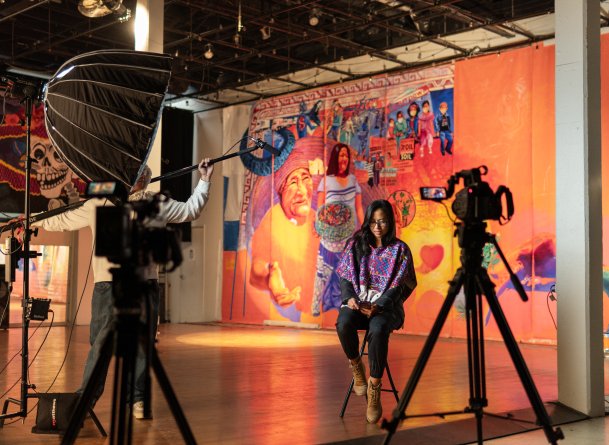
102,110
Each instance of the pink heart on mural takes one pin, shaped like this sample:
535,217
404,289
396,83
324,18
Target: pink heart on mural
432,256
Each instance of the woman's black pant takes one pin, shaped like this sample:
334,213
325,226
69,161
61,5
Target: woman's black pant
379,327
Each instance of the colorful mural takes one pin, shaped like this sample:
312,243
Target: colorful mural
52,183
350,143
342,147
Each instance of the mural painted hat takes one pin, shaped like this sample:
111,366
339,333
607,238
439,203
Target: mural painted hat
305,149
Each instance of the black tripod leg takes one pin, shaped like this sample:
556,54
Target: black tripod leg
172,400
553,435
85,402
97,423
147,345
415,376
126,352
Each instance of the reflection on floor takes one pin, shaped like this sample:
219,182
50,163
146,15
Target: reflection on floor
267,385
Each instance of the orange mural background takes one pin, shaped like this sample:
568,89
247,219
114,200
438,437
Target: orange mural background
504,118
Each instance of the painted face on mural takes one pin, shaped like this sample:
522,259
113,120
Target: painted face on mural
296,195
412,111
52,173
443,108
343,162
426,108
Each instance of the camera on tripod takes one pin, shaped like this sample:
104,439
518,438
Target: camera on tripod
476,202
130,232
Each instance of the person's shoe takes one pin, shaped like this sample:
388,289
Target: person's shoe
375,410
359,378
138,410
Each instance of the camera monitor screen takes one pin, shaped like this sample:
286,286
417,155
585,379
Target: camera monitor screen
433,193
101,188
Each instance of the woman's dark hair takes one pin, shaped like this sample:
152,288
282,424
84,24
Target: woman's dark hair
333,162
425,102
364,238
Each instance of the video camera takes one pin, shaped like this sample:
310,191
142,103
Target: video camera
130,232
476,202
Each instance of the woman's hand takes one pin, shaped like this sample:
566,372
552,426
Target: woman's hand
370,312
352,303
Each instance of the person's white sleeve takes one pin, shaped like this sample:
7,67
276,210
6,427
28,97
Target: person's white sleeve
177,212
71,219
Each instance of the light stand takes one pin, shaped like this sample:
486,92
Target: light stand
32,93
26,254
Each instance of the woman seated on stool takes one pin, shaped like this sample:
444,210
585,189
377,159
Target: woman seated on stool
376,276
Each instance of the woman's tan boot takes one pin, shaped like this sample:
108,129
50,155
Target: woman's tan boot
359,378
375,410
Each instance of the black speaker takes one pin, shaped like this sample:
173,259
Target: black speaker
176,153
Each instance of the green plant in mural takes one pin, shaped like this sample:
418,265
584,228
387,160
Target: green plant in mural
490,256
404,207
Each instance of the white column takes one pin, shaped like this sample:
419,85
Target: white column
579,206
149,25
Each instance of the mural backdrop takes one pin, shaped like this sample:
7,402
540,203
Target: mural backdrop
52,183
348,144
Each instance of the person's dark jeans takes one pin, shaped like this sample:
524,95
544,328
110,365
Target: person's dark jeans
446,142
379,327
101,324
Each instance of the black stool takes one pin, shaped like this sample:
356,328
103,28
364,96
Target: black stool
362,352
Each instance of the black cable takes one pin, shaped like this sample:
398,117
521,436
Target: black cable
548,297
82,294
8,301
447,212
67,348
19,351
35,355
232,146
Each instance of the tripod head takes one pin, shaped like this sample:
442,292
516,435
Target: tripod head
473,205
476,201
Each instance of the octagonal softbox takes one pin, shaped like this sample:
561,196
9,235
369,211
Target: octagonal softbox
102,111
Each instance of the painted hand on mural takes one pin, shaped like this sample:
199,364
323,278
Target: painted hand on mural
281,294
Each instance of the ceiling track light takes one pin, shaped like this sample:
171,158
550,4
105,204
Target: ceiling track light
101,8
209,51
265,32
314,17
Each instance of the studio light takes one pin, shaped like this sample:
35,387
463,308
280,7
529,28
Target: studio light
209,51
314,17
265,32
101,8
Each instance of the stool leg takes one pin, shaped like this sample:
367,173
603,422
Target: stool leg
348,395
393,389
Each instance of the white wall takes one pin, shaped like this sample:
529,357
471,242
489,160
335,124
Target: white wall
195,288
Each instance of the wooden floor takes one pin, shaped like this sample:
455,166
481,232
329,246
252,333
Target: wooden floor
268,385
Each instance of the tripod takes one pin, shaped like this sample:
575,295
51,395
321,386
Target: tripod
123,340
474,279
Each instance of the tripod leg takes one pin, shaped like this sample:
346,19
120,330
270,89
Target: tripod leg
126,351
415,376
523,372
475,352
85,401
172,400
143,382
